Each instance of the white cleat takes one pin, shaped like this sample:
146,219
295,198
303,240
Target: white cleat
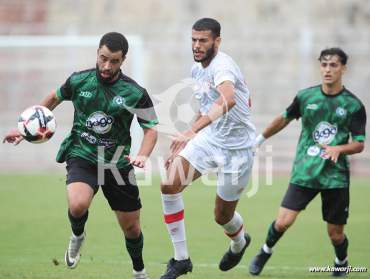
140,274
72,255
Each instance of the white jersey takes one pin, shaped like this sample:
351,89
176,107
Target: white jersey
233,130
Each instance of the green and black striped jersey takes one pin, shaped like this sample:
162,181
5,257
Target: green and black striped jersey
103,113
326,120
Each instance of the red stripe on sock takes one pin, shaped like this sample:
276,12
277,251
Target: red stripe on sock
171,218
231,235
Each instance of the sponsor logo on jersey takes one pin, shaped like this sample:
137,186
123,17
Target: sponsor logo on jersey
324,155
118,100
93,140
85,94
341,112
313,150
99,122
312,106
324,133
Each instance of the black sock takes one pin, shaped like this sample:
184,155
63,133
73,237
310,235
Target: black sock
134,247
273,235
341,249
78,224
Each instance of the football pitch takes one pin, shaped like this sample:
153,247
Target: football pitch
34,233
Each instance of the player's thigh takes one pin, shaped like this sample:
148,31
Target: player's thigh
295,200
122,193
297,197
335,205
79,194
234,173
81,184
179,175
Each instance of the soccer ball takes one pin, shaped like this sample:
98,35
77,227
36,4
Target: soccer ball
37,124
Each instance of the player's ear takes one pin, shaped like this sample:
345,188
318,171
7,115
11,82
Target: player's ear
218,41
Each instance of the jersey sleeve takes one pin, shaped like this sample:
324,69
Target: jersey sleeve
358,124
293,110
65,92
145,112
223,70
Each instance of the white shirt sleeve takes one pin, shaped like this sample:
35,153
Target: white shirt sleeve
223,71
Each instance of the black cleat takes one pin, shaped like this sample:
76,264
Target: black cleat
177,268
258,262
340,270
230,259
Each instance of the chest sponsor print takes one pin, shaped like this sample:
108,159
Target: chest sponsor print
99,122
324,132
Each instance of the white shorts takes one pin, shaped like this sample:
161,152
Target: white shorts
233,166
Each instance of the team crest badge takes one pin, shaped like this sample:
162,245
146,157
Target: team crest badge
341,112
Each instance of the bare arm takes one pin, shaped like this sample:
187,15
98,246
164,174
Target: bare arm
146,148
51,101
278,124
223,104
349,148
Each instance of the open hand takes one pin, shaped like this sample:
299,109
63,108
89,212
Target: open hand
13,136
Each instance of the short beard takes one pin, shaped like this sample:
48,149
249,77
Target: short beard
208,56
109,79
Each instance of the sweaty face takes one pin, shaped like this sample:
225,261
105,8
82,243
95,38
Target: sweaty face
109,63
331,70
203,45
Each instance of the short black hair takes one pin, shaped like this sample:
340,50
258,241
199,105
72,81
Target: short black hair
343,57
205,24
115,42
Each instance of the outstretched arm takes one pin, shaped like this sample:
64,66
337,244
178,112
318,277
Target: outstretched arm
50,101
278,124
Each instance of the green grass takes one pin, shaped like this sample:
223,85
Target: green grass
34,232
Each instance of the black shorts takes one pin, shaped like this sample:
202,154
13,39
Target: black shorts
334,202
121,197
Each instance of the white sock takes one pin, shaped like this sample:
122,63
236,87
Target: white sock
338,261
235,230
267,249
173,209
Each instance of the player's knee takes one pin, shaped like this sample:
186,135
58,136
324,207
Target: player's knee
170,188
132,230
281,225
222,216
336,238
78,208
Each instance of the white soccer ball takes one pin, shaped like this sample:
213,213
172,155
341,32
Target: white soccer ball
37,124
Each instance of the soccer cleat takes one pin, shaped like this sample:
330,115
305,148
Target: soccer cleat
177,268
258,262
230,259
340,270
72,255
140,274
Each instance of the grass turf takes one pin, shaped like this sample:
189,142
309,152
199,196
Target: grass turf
34,233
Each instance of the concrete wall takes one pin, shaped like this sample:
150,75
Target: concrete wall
276,44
